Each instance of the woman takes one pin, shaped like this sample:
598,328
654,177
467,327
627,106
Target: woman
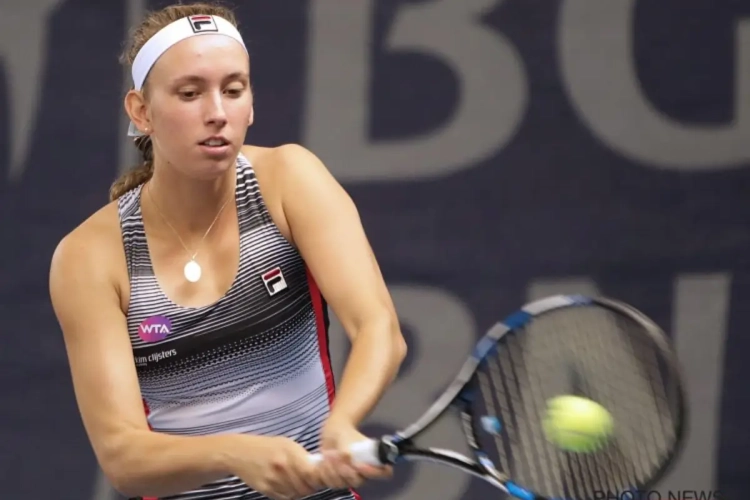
196,294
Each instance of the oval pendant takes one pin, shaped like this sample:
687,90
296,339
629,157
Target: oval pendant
192,271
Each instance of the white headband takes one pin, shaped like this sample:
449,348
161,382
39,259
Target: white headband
171,34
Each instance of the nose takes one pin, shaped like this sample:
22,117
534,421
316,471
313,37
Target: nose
215,114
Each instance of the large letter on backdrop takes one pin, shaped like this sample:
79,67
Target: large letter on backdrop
23,53
492,83
598,66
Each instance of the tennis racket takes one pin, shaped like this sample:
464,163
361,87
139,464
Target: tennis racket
597,348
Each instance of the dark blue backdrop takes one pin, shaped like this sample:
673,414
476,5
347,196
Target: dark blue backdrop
557,199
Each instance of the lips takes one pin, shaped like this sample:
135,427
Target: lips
215,142
216,147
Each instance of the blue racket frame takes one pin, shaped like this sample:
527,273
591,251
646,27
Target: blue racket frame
400,446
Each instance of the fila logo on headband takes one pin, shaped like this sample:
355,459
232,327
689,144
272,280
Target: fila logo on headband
274,281
201,24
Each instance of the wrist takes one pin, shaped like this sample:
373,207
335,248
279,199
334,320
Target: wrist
339,416
235,449
226,446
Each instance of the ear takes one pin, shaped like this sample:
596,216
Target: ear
252,116
136,108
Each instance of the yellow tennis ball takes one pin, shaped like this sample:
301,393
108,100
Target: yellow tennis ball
577,424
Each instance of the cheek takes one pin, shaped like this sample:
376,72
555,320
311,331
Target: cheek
173,117
176,125
239,111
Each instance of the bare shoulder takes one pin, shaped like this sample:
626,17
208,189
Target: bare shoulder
295,174
91,251
288,176
93,237
284,162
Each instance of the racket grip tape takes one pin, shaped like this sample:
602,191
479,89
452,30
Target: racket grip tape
362,452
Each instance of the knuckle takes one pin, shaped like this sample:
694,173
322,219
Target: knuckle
279,462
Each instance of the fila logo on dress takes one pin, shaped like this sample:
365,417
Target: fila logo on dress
274,281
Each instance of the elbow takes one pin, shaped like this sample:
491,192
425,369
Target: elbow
119,470
123,479
120,479
398,353
122,486
399,346
383,334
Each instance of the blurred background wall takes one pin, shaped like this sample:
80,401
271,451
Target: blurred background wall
498,151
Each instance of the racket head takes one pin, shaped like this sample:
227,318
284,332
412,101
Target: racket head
598,348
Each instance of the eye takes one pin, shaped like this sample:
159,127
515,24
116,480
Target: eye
235,91
188,94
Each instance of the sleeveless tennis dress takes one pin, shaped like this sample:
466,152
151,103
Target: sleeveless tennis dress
254,362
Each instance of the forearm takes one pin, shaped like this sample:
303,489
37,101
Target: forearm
374,360
148,463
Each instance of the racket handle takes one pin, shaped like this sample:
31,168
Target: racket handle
363,452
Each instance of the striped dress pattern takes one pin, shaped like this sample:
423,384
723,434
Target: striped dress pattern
256,361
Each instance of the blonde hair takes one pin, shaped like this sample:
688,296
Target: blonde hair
154,22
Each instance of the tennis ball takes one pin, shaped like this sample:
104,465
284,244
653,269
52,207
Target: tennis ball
577,424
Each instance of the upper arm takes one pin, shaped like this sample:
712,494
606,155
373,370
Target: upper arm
94,329
327,230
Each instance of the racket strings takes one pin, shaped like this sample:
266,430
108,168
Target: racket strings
641,386
504,383
626,387
532,381
526,435
614,376
576,475
506,440
503,416
614,365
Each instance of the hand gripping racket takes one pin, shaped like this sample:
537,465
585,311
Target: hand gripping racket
597,348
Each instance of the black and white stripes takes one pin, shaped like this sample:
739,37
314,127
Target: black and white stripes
252,362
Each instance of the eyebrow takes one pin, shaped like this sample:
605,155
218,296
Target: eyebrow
237,75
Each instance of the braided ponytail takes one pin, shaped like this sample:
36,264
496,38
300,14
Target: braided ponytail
139,174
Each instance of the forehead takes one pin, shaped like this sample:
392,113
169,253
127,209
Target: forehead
208,56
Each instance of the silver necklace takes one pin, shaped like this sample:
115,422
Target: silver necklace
192,269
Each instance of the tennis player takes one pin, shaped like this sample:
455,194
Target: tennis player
193,305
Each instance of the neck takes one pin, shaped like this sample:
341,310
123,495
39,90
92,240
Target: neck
190,205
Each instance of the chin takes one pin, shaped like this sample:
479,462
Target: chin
209,168
213,170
